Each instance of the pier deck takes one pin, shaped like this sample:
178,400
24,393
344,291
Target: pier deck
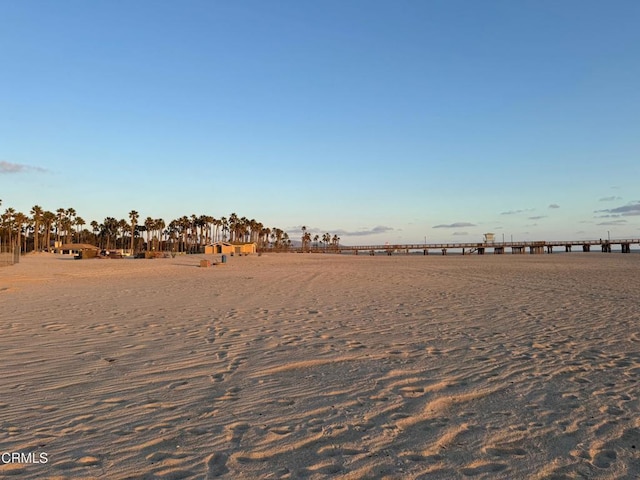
533,247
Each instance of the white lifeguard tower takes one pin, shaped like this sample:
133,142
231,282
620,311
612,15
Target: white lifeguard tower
489,237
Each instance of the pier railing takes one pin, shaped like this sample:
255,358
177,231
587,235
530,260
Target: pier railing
536,246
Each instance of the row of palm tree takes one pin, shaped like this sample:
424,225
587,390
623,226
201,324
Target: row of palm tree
38,230
327,242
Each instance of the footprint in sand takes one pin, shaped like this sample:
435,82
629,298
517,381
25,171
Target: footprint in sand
55,327
612,410
315,425
235,363
216,465
174,385
412,391
505,451
230,395
236,431
483,468
418,457
604,458
334,451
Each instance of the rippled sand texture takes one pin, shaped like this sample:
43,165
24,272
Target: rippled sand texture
310,366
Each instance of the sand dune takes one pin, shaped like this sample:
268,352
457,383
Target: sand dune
316,366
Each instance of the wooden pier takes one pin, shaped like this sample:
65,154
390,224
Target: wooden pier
498,248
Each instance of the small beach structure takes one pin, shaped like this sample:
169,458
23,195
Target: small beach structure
239,249
80,250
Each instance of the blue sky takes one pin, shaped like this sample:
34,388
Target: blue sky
377,120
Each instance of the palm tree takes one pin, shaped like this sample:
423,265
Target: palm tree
70,213
278,235
79,222
205,229
173,229
133,217
217,224
211,222
158,225
36,212
28,228
20,220
140,229
60,213
306,239
8,219
109,230
48,218
67,226
233,221
8,222
123,228
148,225
184,224
326,238
199,224
266,234
225,228
95,228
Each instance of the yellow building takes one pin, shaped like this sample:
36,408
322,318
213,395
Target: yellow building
226,248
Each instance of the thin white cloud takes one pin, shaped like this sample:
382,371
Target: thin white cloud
8,168
632,208
516,212
609,199
363,233
612,223
456,225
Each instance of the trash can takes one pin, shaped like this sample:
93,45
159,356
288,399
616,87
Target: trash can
224,259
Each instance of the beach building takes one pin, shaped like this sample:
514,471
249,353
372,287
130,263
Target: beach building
227,248
84,250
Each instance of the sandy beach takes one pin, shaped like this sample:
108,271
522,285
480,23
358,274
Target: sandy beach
314,366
